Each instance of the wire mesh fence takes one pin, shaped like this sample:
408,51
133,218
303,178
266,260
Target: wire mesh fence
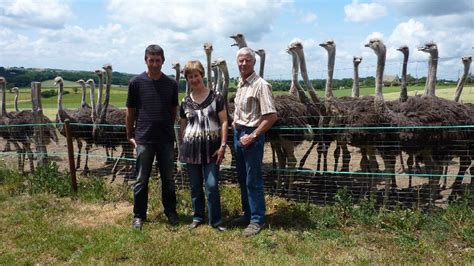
415,166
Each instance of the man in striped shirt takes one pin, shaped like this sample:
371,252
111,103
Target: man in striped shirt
151,111
254,115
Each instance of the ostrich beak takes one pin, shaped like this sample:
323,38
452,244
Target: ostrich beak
322,44
367,45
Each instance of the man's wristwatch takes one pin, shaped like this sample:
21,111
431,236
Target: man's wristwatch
223,145
254,135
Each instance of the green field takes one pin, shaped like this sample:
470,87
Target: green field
119,95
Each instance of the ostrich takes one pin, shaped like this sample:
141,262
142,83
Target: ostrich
292,113
355,84
5,131
112,136
404,92
466,60
208,50
330,47
434,146
78,132
315,106
17,94
23,132
239,40
261,53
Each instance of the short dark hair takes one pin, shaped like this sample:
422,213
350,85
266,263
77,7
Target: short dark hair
154,49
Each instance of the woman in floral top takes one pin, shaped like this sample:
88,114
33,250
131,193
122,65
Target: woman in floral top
203,133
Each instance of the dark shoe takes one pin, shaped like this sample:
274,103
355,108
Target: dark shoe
252,229
194,225
137,223
240,221
219,228
173,219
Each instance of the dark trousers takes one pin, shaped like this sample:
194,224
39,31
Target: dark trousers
146,154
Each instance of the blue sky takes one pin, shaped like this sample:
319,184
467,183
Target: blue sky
85,34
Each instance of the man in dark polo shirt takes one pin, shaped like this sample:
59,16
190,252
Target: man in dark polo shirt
151,112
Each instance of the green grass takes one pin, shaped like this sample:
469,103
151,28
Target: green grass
93,227
119,95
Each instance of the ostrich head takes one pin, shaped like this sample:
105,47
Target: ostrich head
329,45
208,48
377,45
90,82
430,48
176,66
404,49
100,72
239,40
467,59
16,89
107,68
58,80
3,80
356,60
82,82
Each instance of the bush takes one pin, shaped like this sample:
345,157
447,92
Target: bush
51,93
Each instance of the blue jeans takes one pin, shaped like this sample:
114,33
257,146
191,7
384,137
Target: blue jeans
249,174
209,174
146,154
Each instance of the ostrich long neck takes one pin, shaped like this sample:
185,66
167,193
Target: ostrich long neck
178,74
225,74
430,89
262,64
355,84
15,104
404,91
331,59
220,80
304,74
209,82
99,94
92,97
294,79
60,97
462,81
215,71
83,99
103,112
379,75
4,109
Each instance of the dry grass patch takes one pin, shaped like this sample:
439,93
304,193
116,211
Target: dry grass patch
94,215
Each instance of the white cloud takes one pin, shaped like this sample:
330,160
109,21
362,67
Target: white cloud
363,12
410,33
34,13
309,17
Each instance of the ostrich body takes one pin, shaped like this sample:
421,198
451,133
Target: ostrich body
355,85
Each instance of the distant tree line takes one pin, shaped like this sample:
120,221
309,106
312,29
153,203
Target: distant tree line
22,77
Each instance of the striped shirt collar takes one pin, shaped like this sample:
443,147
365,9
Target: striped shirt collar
249,80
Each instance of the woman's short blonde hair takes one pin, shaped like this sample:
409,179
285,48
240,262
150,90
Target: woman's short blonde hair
191,66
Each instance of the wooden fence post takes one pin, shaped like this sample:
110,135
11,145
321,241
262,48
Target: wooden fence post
70,153
41,152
